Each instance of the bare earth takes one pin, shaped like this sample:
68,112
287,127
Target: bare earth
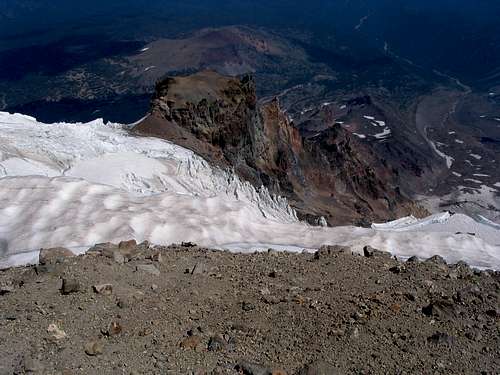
187,310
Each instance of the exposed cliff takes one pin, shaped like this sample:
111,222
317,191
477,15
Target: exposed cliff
330,175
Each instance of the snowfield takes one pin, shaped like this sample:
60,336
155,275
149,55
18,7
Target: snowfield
75,185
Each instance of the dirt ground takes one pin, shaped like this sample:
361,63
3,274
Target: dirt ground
141,309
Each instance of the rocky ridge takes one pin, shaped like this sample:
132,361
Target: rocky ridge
331,175
141,309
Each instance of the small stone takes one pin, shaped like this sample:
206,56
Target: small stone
442,309
411,296
46,268
54,255
413,259
56,332
6,289
247,306
104,289
273,252
191,342
397,269
336,332
326,251
127,244
102,247
70,286
440,338
436,259
113,329
217,344
94,348
474,336
493,313
318,368
148,268
249,368
370,252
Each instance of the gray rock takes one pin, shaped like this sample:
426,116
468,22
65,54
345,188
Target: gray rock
127,244
54,255
326,251
247,306
413,259
45,268
440,338
94,348
70,286
318,368
442,309
6,289
217,344
436,259
148,268
397,269
370,252
249,368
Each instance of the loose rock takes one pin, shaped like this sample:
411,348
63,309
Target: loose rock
104,289
70,286
94,348
54,255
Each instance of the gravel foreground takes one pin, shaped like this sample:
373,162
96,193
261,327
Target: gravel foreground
141,309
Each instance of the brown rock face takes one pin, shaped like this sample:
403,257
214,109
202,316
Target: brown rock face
330,175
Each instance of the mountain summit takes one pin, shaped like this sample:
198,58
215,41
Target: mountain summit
330,176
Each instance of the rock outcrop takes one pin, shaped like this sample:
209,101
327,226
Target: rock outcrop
330,175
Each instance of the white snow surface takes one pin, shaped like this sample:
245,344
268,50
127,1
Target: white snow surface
75,185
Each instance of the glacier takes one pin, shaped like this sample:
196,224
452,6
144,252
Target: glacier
75,185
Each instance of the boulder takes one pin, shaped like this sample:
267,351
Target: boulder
369,252
54,255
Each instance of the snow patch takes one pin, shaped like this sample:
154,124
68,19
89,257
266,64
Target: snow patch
385,133
75,185
362,136
449,160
